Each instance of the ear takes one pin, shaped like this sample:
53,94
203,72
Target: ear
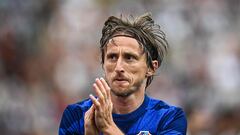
151,71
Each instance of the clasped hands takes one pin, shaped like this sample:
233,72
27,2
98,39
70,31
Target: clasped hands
98,119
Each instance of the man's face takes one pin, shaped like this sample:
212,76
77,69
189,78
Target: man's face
125,66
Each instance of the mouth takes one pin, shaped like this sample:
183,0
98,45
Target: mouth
120,80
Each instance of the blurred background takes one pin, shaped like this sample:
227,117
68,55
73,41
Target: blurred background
49,58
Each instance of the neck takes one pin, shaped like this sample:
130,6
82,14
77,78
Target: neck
124,105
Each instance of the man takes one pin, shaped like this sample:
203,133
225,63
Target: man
132,51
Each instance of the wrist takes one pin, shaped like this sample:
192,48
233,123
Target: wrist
112,130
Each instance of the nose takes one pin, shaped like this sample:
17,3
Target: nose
119,66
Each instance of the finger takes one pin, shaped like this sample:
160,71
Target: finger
90,109
90,112
107,88
101,87
98,93
95,102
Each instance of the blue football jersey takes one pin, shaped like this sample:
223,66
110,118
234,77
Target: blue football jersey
153,117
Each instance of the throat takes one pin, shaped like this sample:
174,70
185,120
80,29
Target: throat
124,105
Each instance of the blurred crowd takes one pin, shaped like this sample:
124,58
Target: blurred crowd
49,58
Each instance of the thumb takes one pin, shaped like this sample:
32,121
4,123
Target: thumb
89,114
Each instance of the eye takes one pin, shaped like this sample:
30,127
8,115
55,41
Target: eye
112,57
129,57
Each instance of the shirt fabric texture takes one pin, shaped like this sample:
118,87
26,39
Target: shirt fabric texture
154,116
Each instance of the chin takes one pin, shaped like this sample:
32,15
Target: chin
120,88
123,92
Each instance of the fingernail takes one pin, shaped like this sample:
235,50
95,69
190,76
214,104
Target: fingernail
90,95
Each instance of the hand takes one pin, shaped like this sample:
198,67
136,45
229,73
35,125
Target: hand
103,108
103,105
89,122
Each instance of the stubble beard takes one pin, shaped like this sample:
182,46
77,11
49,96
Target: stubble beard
125,93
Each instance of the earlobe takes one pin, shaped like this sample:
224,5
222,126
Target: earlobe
149,73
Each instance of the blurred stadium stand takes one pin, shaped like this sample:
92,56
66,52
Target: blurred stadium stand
49,58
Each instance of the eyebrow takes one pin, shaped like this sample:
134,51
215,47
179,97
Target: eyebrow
125,54
132,54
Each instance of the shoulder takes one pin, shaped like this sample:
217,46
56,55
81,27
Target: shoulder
72,118
82,106
171,118
161,106
75,112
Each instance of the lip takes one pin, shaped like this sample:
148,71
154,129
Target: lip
120,81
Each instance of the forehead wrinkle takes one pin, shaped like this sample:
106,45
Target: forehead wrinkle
117,43
112,41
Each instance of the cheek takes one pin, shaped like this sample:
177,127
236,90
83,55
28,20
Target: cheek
138,72
108,68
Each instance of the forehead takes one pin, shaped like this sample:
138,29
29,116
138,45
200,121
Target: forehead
123,43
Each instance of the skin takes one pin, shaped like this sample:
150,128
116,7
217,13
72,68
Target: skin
123,90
